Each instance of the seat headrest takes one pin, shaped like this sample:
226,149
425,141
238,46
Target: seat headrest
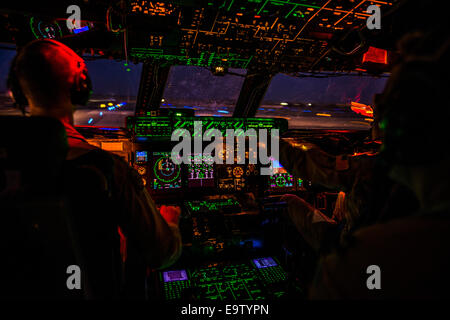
33,148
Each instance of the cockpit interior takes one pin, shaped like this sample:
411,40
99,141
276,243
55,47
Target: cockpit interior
307,69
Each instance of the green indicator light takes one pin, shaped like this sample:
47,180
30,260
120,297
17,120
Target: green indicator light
263,7
229,7
290,12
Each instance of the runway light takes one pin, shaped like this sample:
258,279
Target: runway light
103,105
284,103
90,120
110,104
309,104
323,114
219,70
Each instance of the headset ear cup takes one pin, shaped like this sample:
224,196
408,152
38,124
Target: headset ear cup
82,89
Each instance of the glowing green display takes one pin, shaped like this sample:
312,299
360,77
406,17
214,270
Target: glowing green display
205,59
239,281
210,206
163,127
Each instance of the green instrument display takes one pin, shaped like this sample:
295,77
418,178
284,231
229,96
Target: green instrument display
161,128
255,280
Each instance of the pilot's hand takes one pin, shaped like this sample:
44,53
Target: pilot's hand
170,213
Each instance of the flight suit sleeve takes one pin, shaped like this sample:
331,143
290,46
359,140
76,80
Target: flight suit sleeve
309,162
145,228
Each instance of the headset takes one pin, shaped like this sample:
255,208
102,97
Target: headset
81,89
415,112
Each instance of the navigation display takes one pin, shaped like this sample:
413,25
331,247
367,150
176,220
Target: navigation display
264,262
280,178
164,173
176,275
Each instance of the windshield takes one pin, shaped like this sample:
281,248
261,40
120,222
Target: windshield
196,88
325,102
115,87
6,105
307,102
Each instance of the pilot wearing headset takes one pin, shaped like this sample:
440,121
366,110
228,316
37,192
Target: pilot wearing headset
406,258
51,78
366,196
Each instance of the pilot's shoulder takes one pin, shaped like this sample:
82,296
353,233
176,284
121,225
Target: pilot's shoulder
124,173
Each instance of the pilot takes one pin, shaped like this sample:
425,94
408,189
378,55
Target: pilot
407,257
367,194
49,75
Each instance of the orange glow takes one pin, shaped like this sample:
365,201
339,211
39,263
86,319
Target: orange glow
362,109
323,114
368,153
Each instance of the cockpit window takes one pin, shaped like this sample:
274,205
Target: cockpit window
321,101
6,104
115,87
197,88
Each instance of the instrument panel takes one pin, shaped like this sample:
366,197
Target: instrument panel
257,279
152,136
287,35
160,174
147,128
230,212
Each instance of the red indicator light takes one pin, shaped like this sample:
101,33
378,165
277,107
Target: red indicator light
375,55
